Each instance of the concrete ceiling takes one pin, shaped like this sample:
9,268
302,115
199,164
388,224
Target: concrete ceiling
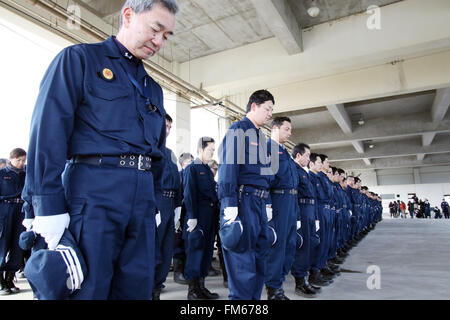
205,27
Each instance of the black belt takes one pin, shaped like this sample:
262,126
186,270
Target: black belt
15,200
306,201
169,193
260,193
140,162
283,191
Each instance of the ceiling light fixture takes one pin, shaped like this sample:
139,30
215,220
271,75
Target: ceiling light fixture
361,121
314,10
371,146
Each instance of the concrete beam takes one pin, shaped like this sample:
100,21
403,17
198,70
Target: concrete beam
278,16
380,128
440,104
339,114
427,138
387,149
367,161
359,146
391,163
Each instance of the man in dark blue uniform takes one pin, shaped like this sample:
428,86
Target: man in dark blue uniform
285,219
169,205
179,253
307,209
243,189
322,207
12,179
200,199
98,108
445,210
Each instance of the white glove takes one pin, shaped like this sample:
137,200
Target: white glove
158,219
230,214
176,218
269,213
27,223
317,225
51,228
351,213
192,223
299,224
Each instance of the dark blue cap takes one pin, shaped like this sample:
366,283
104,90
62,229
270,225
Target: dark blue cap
230,234
56,274
27,239
196,239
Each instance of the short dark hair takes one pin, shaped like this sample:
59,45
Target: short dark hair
17,153
340,171
299,148
313,157
323,157
333,170
203,142
357,179
365,188
185,156
278,121
3,160
168,118
259,97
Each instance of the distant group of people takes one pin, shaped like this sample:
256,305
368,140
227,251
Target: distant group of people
418,208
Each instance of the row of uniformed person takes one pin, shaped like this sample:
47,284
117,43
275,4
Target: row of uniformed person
12,179
281,214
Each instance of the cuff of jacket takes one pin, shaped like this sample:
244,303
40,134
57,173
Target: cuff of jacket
228,202
49,205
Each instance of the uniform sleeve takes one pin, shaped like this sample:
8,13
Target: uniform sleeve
228,192
179,190
190,192
60,93
158,166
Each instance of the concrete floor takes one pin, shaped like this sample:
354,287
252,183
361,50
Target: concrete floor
412,255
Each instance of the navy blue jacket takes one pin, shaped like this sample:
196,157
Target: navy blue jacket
79,111
243,160
199,186
11,183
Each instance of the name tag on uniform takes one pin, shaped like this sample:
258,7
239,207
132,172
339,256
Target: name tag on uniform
280,152
6,178
254,143
202,172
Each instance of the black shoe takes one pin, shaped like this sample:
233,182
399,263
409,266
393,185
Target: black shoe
206,293
327,273
4,289
178,275
155,294
302,289
315,278
317,289
9,278
275,294
333,267
194,291
337,260
341,253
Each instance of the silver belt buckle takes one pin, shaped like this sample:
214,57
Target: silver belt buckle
141,162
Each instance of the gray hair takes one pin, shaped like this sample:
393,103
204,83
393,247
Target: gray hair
139,6
3,160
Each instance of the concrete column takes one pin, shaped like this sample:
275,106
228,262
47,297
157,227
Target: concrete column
179,109
416,176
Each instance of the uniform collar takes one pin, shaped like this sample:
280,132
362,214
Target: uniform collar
125,52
